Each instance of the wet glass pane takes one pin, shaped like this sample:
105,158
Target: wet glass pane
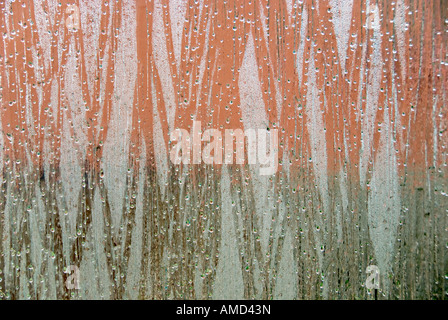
171,149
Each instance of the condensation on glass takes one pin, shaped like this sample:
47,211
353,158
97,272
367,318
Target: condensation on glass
92,205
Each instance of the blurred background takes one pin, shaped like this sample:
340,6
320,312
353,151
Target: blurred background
91,90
